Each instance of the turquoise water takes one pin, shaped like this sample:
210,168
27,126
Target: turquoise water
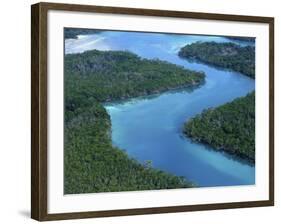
150,128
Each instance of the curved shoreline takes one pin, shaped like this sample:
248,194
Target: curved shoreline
147,96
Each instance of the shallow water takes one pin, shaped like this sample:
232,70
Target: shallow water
150,128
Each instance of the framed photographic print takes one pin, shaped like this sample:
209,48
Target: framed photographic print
139,111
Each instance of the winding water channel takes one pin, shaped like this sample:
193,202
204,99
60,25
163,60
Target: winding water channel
150,128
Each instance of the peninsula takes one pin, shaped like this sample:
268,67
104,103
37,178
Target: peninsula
225,55
92,163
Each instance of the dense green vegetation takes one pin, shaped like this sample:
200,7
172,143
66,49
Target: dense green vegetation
246,39
74,32
91,162
115,75
226,55
230,127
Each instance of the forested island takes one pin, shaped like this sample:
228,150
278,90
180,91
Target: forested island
230,127
245,39
225,55
72,33
91,162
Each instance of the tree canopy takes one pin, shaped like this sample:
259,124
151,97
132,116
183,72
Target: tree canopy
225,55
91,162
230,127
114,75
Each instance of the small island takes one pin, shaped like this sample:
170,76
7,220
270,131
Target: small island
92,163
245,39
225,55
72,33
230,127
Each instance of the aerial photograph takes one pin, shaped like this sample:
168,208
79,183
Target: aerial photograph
157,111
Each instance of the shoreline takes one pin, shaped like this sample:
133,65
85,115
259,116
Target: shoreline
195,127
150,95
185,88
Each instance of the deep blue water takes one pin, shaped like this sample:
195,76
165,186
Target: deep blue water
150,128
